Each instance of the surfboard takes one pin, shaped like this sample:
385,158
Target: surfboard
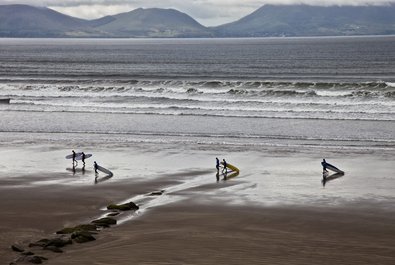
230,175
79,157
331,167
231,167
104,170
76,155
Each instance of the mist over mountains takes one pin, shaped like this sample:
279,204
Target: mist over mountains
269,20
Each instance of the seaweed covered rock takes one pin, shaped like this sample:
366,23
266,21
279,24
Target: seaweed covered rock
123,207
105,222
36,259
82,236
113,214
59,242
156,193
40,243
53,249
17,248
83,227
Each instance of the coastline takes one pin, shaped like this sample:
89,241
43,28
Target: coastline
199,220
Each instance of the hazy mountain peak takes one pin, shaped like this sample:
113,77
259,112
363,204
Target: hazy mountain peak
309,20
270,20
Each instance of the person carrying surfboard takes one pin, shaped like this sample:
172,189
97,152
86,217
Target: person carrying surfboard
326,166
225,166
95,167
83,158
74,156
323,164
217,164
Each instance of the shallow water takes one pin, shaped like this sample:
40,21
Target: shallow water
349,78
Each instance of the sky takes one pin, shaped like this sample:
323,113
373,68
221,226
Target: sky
206,12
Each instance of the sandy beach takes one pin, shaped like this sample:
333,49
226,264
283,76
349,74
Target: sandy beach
157,112
198,220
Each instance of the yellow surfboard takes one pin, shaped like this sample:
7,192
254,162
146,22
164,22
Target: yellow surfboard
231,167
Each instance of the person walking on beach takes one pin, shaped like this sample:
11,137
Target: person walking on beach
74,156
83,158
323,163
225,168
95,166
217,164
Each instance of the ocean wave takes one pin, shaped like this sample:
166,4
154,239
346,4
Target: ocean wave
301,84
253,139
273,92
172,110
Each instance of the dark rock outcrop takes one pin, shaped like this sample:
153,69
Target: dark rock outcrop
59,242
105,222
39,243
53,249
156,193
123,207
17,248
83,227
82,236
36,259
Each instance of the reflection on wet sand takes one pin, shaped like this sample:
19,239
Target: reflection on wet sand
326,177
230,174
98,180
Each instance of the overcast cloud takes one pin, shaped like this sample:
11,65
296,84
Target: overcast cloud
207,12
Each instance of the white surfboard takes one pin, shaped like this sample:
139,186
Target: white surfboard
331,167
79,157
104,170
71,156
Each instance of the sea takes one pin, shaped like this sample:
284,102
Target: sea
319,93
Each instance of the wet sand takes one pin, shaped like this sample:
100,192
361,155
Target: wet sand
208,225
191,232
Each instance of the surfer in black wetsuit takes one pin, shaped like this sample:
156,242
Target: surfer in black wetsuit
225,168
323,163
217,164
83,158
95,167
74,161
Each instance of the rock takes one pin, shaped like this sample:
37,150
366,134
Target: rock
156,193
53,249
28,253
40,243
105,222
59,242
87,227
36,259
83,227
82,236
66,230
17,248
123,207
113,214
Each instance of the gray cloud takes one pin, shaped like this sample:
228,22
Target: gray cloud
207,12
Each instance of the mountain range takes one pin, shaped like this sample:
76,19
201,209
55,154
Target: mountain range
269,20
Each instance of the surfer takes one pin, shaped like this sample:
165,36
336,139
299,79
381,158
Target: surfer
323,163
95,167
217,165
83,158
74,156
225,168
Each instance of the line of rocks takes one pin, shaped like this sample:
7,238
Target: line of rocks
79,234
